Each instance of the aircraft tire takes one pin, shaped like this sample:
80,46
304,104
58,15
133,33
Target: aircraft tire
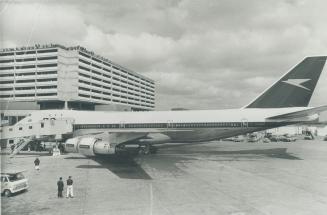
153,150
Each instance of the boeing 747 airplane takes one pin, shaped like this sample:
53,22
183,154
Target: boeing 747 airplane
102,133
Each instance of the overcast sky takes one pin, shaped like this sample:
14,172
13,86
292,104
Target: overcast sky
202,54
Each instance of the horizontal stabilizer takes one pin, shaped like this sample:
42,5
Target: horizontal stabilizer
299,114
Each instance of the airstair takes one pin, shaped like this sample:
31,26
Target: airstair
22,142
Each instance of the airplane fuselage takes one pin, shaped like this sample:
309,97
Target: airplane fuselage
180,126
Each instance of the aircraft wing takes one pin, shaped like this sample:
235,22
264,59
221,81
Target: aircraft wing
118,136
299,114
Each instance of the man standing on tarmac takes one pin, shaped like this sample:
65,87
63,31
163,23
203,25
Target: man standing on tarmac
70,192
60,185
37,163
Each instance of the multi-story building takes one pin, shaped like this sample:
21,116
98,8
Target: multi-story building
54,76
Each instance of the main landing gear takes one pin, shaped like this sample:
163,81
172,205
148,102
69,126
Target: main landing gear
147,149
144,149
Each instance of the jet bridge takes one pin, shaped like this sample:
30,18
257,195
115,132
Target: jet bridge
47,129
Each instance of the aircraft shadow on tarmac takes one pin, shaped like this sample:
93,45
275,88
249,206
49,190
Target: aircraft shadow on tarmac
127,167
124,167
272,152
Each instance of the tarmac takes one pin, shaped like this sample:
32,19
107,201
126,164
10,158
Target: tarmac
210,178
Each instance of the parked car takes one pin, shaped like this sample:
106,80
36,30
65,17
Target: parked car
13,182
274,138
308,137
268,135
238,139
325,138
266,140
287,138
253,138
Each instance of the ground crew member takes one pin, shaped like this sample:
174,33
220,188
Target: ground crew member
12,147
60,185
61,148
70,192
37,164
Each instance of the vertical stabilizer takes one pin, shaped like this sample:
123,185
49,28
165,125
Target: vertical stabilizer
295,88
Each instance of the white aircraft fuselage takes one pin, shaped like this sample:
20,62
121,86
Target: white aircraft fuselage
180,126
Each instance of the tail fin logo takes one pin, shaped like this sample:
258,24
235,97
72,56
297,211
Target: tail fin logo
298,83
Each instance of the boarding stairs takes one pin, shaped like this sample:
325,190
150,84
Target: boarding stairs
22,142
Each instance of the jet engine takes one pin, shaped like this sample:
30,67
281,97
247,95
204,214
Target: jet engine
89,146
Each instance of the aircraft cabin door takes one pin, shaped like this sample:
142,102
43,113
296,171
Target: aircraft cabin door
122,124
245,123
169,124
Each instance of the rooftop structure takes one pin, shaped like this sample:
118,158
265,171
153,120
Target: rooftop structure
53,76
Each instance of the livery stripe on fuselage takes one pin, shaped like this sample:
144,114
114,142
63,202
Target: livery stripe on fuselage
183,125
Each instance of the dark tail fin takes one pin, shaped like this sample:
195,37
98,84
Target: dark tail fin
295,88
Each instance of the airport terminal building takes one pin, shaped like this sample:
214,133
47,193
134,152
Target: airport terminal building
55,77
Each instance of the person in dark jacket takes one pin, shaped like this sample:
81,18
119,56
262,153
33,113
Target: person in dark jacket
12,147
70,192
37,164
60,185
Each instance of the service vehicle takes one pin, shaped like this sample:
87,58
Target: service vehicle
13,182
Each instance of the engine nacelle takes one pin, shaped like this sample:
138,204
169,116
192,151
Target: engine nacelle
89,146
103,148
71,145
86,145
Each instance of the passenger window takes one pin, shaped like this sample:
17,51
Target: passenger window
20,128
30,127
